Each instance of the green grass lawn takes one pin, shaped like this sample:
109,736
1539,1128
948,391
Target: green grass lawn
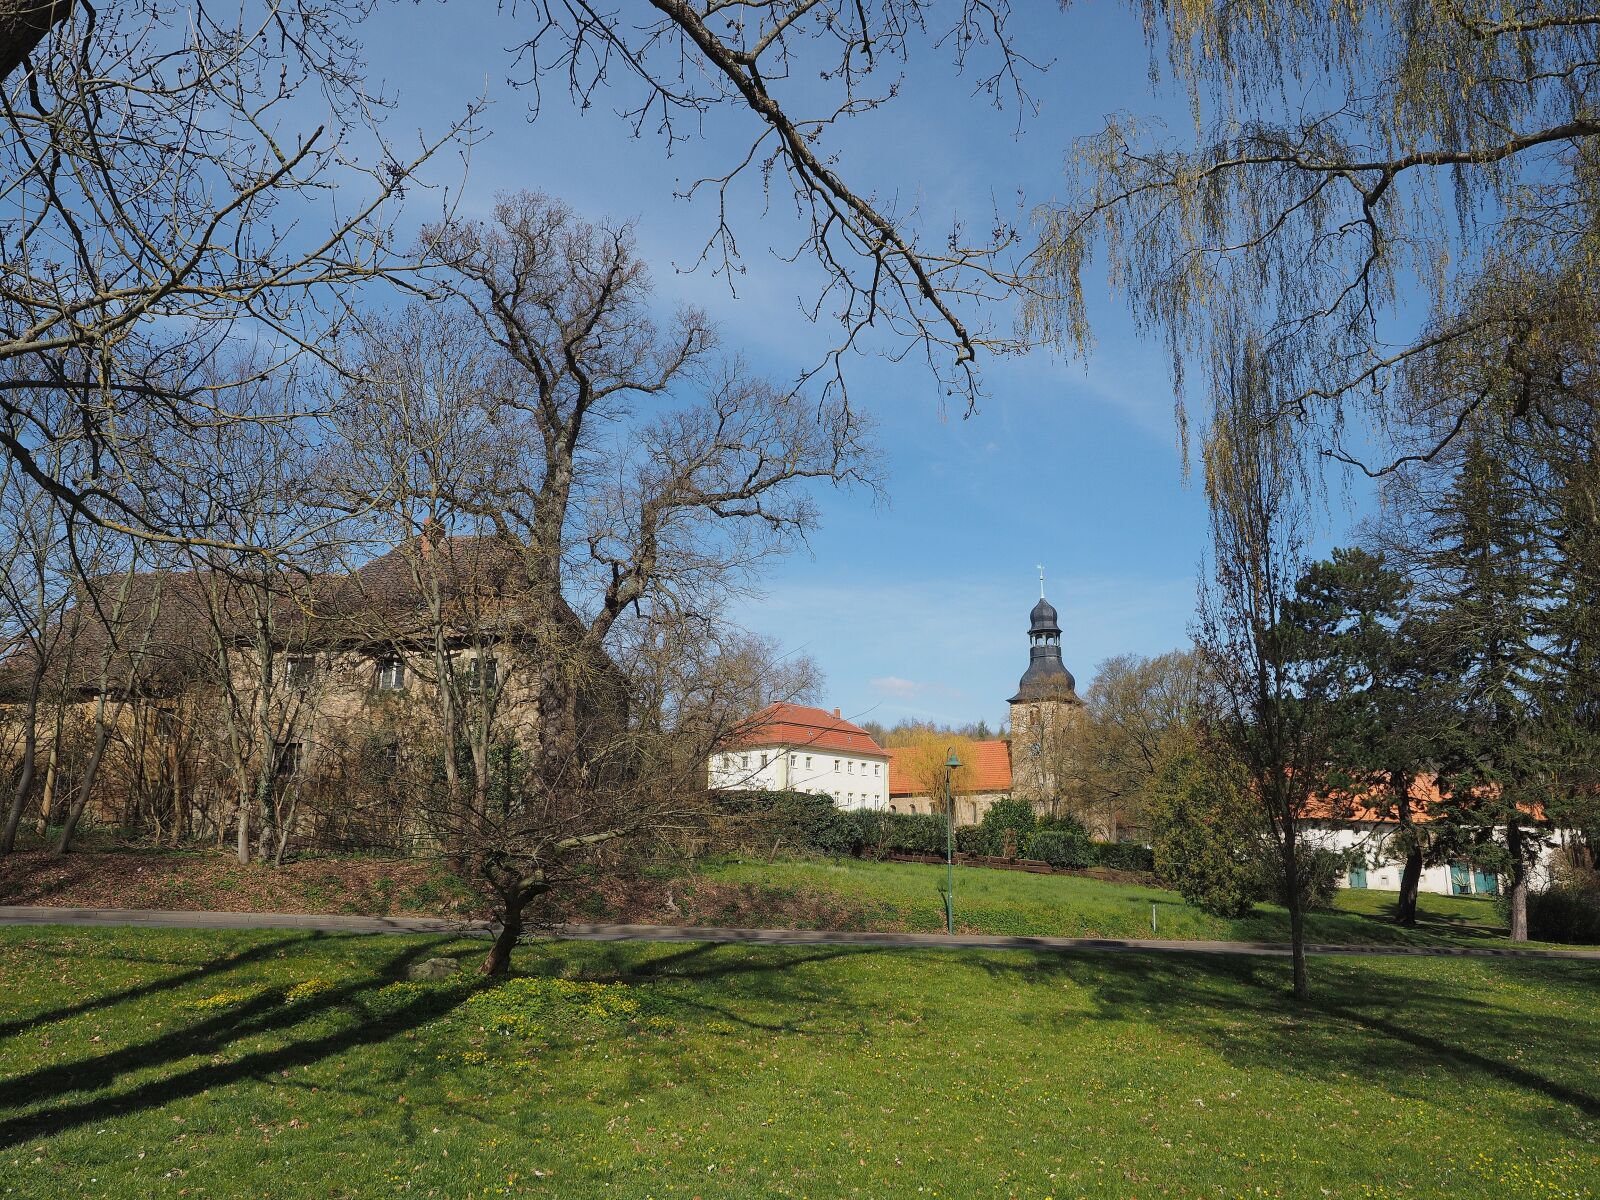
284,1064
875,895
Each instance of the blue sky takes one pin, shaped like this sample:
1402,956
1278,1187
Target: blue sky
915,607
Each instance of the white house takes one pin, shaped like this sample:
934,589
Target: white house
791,747
1370,829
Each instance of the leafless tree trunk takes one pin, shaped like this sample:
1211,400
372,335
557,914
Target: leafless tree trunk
130,638
1255,484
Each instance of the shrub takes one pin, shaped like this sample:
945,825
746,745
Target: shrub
975,839
1207,832
1124,856
1013,817
1062,848
873,831
916,833
1568,911
1320,871
791,820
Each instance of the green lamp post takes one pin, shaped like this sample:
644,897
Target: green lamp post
951,766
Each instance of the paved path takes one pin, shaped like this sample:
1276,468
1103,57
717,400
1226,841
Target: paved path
334,923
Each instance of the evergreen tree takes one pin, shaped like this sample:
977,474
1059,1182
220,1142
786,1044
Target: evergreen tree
1363,657
1569,686
1488,596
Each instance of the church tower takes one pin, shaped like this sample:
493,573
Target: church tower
1045,705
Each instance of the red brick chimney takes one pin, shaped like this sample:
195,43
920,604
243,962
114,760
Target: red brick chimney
432,532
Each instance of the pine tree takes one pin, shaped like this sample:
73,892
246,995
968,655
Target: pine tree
1488,597
1358,638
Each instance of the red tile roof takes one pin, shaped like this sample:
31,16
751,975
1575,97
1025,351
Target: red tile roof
1376,805
799,725
990,764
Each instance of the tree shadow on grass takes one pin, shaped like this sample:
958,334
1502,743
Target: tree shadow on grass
167,983
1389,1024
266,1014
84,1091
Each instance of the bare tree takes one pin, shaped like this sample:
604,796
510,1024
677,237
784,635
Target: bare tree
35,592
636,475
676,63
261,632
1133,714
162,194
1255,482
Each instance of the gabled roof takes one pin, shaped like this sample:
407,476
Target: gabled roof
801,727
990,769
149,632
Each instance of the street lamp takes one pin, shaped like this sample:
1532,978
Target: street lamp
951,766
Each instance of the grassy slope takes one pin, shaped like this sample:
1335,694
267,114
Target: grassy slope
165,1063
907,896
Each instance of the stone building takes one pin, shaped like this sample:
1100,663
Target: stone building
202,676
1042,712
1029,763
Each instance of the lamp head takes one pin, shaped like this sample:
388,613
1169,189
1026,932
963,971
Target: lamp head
955,763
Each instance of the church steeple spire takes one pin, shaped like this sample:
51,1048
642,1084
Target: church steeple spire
1046,677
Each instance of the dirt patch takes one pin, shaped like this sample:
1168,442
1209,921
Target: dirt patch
208,881
212,882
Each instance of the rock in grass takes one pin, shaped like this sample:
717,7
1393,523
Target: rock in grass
433,968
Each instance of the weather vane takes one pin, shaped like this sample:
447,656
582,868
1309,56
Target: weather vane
1040,568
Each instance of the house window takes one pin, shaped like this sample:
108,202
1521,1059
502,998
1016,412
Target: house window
763,760
298,671
808,762
744,760
391,675
875,767
289,755
483,674
836,766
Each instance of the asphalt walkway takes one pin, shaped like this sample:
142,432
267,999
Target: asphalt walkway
335,923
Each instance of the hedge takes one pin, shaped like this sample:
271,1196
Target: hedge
808,822
1059,847
1124,856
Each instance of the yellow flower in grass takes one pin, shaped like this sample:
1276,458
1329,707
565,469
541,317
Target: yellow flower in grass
307,988
220,1000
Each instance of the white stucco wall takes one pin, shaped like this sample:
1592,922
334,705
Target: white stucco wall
1383,871
854,780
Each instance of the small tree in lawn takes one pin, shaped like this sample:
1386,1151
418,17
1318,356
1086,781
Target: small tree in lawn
635,475
1206,827
1259,521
